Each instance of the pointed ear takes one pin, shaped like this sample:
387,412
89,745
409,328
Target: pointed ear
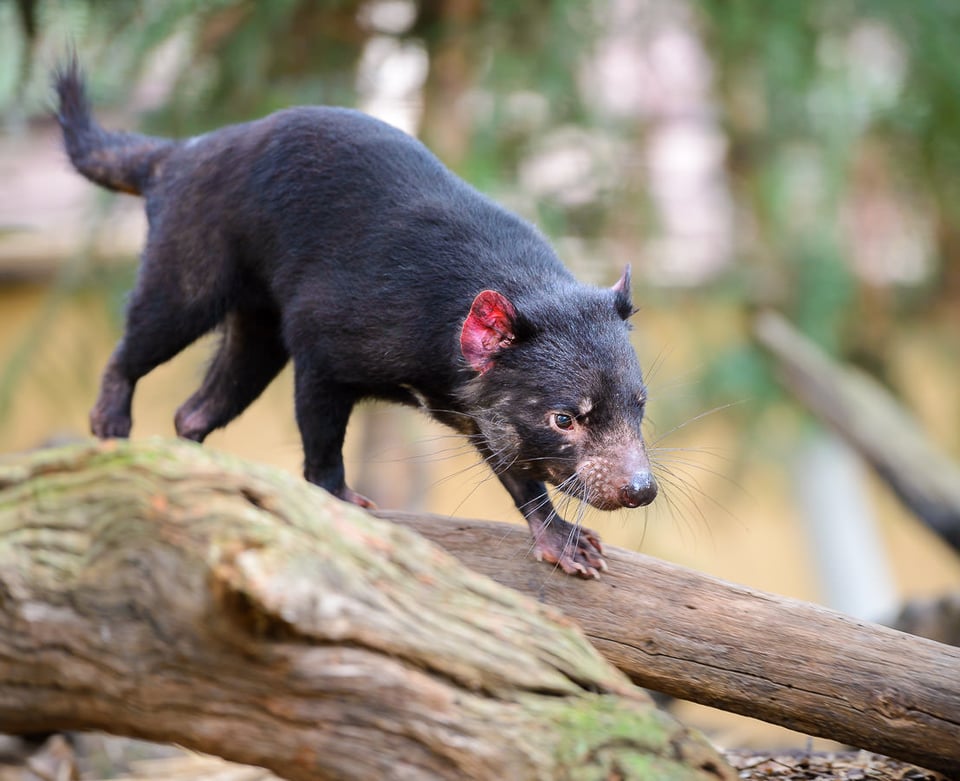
622,298
488,329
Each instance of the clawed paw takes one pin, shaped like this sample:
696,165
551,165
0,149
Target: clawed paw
576,550
105,426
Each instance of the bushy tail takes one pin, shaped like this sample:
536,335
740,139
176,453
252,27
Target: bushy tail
125,162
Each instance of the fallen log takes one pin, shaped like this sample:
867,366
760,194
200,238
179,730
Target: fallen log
776,659
673,630
164,591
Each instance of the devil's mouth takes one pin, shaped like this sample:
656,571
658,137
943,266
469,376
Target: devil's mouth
573,484
585,493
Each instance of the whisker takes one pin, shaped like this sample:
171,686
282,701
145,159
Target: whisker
696,418
535,504
713,452
646,525
695,490
476,487
463,471
687,463
679,519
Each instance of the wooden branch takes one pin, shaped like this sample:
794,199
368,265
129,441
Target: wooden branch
164,591
867,416
776,659
670,629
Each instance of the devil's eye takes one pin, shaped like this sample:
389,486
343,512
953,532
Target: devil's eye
563,421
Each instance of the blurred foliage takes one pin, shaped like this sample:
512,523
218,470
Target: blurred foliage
812,95
820,105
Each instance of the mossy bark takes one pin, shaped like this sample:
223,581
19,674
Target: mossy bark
165,591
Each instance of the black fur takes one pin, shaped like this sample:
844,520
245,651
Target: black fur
325,236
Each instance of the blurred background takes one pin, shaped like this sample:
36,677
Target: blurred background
802,157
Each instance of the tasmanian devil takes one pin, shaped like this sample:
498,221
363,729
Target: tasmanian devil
327,237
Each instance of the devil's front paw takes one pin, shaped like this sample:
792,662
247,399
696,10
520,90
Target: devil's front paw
575,549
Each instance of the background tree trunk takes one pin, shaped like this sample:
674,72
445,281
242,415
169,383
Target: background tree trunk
164,591
871,420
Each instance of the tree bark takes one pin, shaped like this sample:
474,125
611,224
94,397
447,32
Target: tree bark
164,591
673,630
776,659
867,416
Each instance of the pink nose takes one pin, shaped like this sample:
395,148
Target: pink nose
640,491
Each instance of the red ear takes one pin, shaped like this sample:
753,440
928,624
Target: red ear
488,329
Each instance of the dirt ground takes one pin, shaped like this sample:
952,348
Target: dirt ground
98,757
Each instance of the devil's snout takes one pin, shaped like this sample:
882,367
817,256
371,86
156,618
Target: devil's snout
618,476
640,490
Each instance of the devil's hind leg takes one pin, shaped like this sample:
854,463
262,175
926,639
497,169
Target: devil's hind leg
163,317
250,355
157,329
